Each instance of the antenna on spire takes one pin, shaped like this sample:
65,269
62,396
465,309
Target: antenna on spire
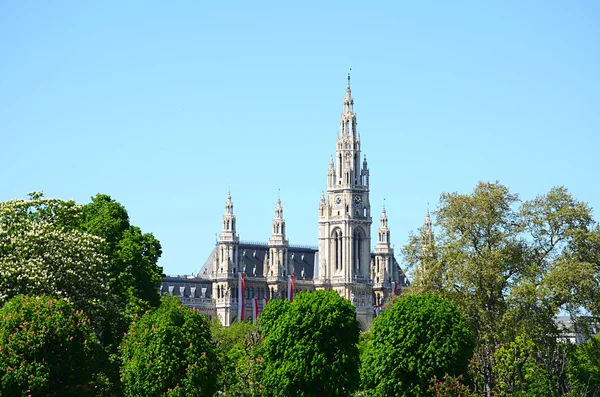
278,193
384,203
349,77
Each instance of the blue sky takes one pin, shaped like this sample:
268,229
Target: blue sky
163,105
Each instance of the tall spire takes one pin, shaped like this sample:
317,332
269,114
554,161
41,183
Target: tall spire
383,233
348,101
228,232
427,235
427,223
229,204
278,232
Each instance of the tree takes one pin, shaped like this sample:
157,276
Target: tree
420,337
512,268
47,347
310,346
584,368
132,255
169,351
43,253
240,355
520,371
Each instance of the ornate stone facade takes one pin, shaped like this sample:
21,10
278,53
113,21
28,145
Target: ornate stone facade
343,260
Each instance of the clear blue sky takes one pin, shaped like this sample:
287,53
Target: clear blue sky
163,104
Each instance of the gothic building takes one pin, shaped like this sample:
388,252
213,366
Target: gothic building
342,261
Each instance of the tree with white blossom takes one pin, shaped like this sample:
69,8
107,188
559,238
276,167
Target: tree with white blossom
42,252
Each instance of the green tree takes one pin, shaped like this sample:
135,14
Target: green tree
43,253
132,255
240,356
48,348
584,368
420,337
169,352
310,346
511,268
520,371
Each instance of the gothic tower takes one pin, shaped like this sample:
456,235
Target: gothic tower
345,220
384,272
276,261
226,264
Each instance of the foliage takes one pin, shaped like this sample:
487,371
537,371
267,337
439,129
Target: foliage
512,268
133,255
240,356
449,386
420,337
169,352
46,348
520,371
310,346
42,253
584,368
134,275
270,316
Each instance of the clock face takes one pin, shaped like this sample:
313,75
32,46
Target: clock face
357,201
338,200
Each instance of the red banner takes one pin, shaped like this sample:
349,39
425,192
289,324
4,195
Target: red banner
241,297
290,289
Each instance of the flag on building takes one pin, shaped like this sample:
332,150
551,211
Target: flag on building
241,297
395,288
290,288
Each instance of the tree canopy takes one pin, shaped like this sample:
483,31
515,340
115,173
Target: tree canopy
42,252
420,337
169,351
47,347
132,255
511,267
310,346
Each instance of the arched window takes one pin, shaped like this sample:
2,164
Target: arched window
357,249
336,248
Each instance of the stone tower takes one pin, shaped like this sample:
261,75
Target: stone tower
276,266
226,265
383,270
345,220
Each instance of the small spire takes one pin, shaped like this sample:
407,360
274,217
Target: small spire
427,223
278,208
229,203
349,78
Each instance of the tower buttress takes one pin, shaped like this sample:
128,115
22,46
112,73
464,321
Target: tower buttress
228,241
278,245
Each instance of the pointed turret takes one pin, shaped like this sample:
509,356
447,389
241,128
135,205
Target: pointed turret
227,256
278,233
365,172
331,173
427,236
228,232
278,245
348,101
383,233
